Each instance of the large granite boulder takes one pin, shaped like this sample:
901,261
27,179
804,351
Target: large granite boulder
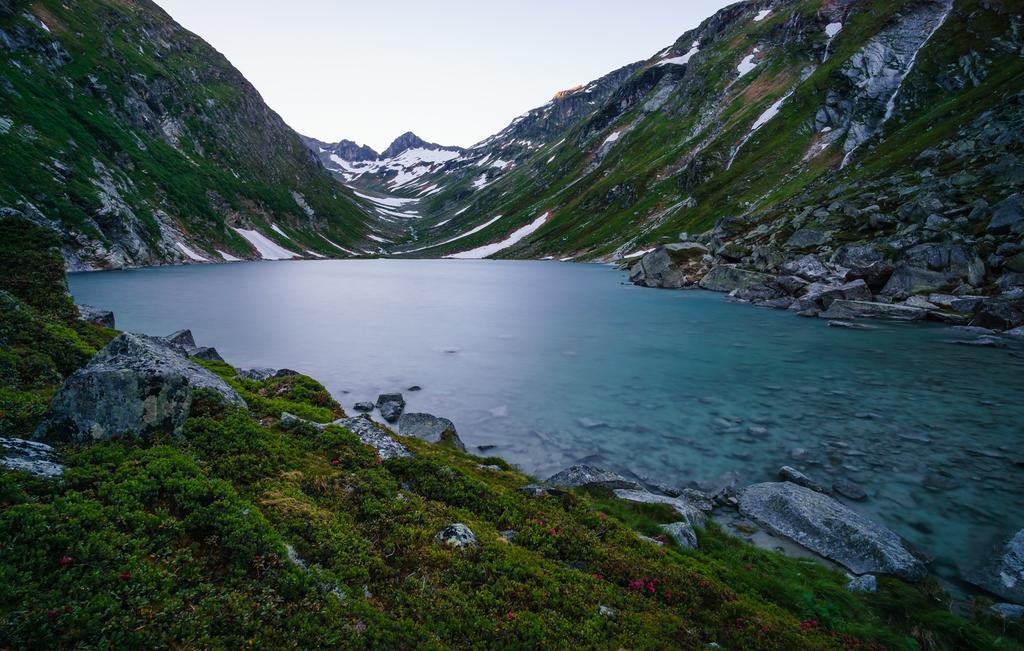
808,267
830,529
136,386
724,278
1008,216
907,281
430,428
952,259
391,406
581,476
807,238
1003,574
662,267
456,535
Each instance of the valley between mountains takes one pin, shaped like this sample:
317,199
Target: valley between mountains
791,152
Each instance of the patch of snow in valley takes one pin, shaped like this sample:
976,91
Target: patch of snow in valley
190,253
501,164
553,156
832,29
267,248
761,15
375,238
611,138
439,224
480,182
405,177
391,202
462,211
227,256
747,64
514,238
315,254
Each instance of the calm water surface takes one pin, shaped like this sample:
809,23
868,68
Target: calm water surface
554,364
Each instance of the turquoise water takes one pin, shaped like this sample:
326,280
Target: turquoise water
555,363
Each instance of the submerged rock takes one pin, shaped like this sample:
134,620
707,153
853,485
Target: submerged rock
30,456
456,535
790,474
582,476
363,406
391,406
433,429
136,386
830,529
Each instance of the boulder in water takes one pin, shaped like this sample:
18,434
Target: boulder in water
96,315
391,406
1003,574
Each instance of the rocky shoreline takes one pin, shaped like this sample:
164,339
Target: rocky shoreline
139,385
927,272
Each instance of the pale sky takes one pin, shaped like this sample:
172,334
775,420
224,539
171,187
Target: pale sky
452,71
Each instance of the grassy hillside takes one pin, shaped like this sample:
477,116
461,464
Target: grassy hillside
127,134
244,534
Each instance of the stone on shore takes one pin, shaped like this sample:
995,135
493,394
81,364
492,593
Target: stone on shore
791,474
724,278
1003,574
841,310
581,476
135,386
391,406
96,315
363,406
433,429
830,529
367,431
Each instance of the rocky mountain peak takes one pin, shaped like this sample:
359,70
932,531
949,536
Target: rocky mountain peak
407,141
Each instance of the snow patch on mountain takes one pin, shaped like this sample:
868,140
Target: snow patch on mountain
267,248
514,238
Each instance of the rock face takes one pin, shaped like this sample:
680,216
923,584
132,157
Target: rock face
1004,576
663,266
582,476
726,279
30,456
391,406
430,428
830,529
136,386
866,310
96,315
456,535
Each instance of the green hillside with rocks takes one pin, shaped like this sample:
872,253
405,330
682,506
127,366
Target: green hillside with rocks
260,515
141,145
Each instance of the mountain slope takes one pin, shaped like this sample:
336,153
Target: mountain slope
142,145
767,111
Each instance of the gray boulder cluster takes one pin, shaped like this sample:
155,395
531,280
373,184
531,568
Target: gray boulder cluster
914,246
368,432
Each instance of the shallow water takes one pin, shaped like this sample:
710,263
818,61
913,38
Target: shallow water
555,363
